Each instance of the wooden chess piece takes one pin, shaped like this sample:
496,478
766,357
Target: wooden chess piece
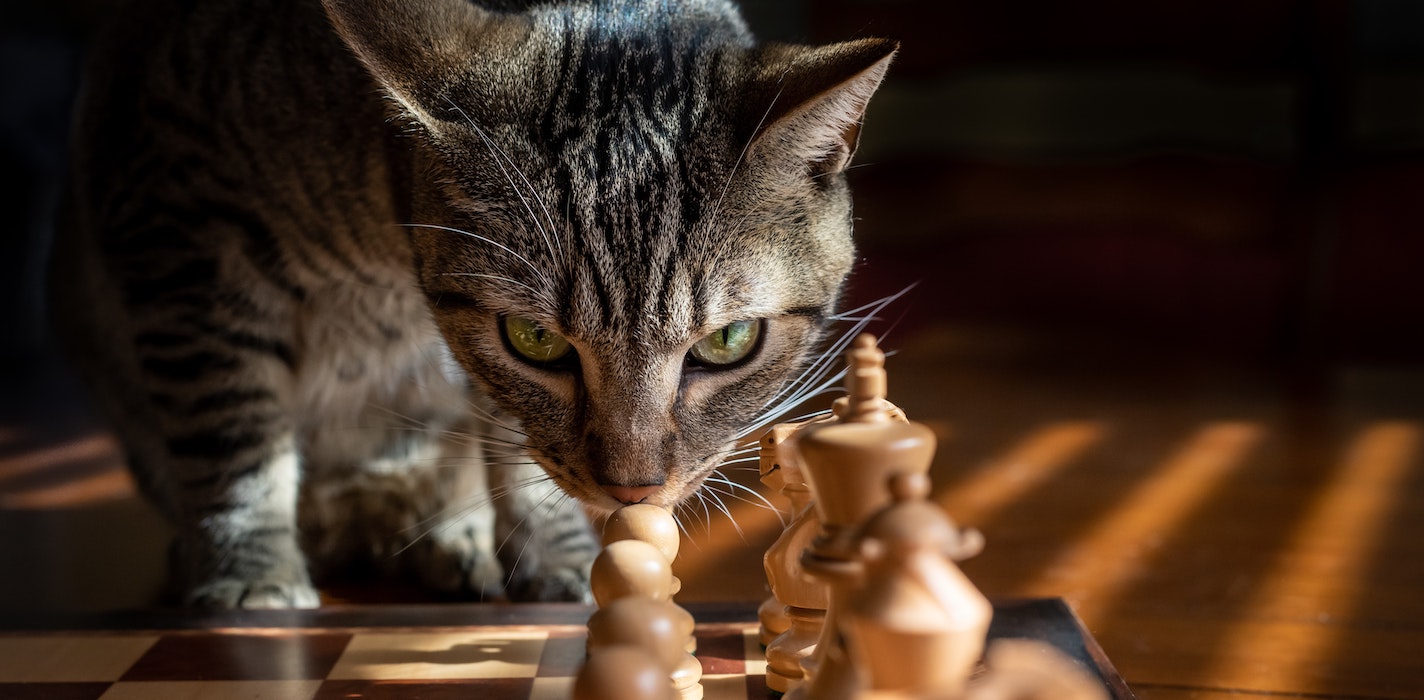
1025,669
622,672
916,624
654,525
638,569
803,597
847,464
659,626
630,567
648,523
771,614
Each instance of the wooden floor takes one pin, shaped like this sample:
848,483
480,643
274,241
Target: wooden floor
1224,530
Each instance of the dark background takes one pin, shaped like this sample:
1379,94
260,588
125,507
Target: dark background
1235,180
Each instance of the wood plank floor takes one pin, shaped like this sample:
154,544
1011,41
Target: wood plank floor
1224,530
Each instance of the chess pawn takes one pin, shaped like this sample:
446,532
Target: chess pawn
658,626
653,525
648,523
637,569
622,672
917,624
630,567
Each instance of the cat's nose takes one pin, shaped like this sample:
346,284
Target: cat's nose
629,495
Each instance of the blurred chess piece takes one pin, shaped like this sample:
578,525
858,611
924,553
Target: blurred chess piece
771,614
658,626
916,624
847,464
622,672
1024,669
803,598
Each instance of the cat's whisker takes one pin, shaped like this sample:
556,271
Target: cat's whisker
499,278
818,368
514,567
717,208
761,499
873,307
453,512
682,527
814,371
706,514
537,272
831,385
715,494
500,158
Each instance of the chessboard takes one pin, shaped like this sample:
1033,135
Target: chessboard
490,651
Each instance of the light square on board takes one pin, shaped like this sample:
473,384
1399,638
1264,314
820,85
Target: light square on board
212,690
54,659
501,653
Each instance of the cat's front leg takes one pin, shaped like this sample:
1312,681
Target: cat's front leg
546,543
237,540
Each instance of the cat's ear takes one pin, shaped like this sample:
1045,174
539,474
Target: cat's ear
421,51
808,102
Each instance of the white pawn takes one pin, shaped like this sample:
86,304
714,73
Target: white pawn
636,569
622,672
630,567
648,523
658,626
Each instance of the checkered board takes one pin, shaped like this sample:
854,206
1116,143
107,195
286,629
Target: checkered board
490,663
430,652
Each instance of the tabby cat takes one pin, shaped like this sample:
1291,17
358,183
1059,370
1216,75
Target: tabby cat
390,280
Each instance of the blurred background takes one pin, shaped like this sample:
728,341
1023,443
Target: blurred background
1168,323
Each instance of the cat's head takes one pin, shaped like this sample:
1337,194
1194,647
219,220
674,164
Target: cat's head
631,221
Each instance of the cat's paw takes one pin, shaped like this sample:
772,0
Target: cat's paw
459,565
565,584
231,593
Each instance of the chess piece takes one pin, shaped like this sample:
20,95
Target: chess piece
648,523
771,614
847,464
637,569
622,672
917,624
803,597
630,567
654,525
659,626
1024,669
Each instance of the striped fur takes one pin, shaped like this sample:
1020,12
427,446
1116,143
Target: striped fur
293,229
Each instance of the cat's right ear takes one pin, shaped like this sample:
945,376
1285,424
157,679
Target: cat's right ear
424,51
807,102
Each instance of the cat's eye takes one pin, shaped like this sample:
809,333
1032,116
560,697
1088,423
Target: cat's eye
534,342
727,345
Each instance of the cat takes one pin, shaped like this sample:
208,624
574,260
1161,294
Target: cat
422,283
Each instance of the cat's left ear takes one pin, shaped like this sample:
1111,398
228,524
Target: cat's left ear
421,51
808,102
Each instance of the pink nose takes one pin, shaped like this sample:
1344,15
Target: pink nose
631,494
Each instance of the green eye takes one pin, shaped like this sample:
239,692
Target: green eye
533,341
729,344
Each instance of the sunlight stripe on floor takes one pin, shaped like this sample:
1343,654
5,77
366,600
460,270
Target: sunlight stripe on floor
1320,573
1094,569
1031,463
